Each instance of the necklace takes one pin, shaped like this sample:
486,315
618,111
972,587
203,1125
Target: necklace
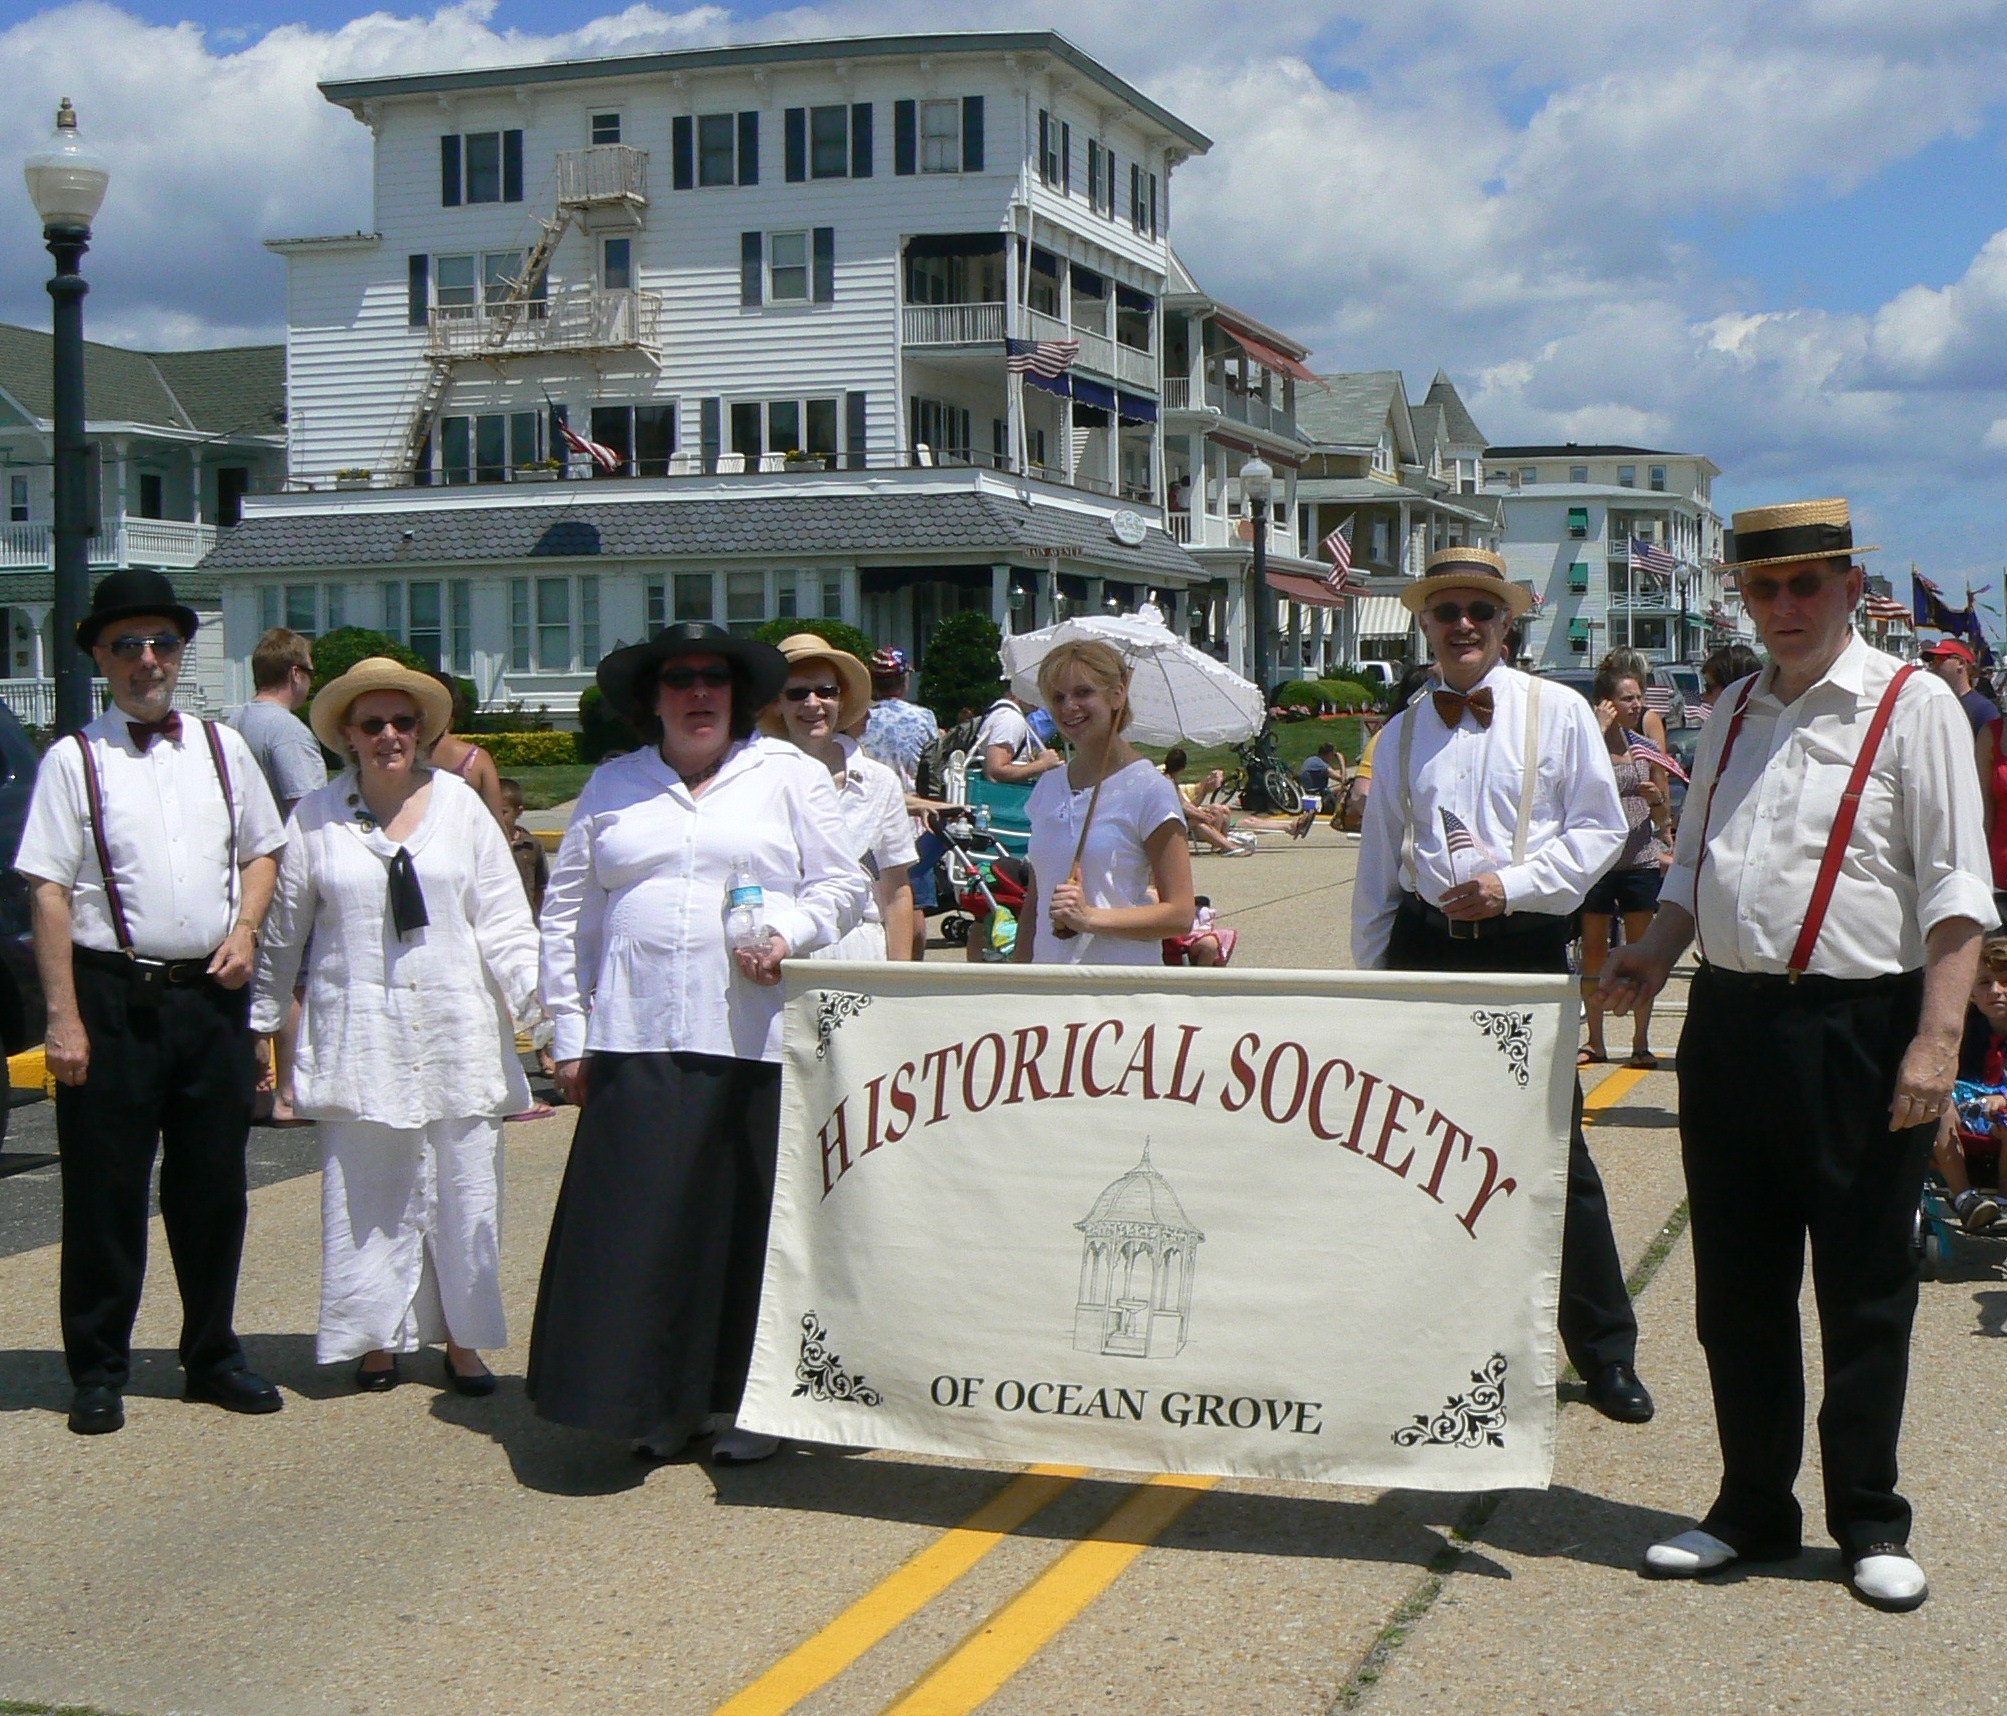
698,777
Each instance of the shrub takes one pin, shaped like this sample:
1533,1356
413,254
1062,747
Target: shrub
339,650
961,669
527,750
832,632
602,730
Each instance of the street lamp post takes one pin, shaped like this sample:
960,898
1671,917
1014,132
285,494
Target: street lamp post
1256,482
66,182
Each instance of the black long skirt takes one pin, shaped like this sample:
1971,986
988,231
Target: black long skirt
651,1283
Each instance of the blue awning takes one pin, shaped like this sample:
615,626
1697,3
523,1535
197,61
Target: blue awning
1137,409
1051,383
1093,393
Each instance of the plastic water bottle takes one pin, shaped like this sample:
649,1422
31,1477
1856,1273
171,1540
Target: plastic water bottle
745,906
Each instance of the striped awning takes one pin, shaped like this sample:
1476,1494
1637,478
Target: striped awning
1381,617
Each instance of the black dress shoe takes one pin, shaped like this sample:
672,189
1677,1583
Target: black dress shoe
234,1391
368,1381
1617,1393
97,1411
480,1383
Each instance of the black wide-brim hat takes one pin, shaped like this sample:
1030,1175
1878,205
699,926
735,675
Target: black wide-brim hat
762,669
128,594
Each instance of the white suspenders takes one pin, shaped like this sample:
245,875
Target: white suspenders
1529,778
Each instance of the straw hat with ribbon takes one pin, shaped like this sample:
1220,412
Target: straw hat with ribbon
850,672
1798,530
379,673
1466,568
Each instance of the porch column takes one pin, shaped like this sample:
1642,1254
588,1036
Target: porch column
1405,561
1237,632
1000,598
38,633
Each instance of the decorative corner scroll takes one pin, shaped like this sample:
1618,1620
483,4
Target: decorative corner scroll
833,1007
820,1375
1513,1032
1469,1420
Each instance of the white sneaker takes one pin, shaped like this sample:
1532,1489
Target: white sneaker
1887,1577
735,1447
1688,1555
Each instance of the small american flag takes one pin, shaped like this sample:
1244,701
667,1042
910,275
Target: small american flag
601,455
1456,837
1648,556
1642,750
1049,358
1339,546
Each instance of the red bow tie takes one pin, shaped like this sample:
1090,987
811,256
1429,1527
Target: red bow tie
145,732
1450,705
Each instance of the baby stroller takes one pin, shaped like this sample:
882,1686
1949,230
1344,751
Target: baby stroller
984,879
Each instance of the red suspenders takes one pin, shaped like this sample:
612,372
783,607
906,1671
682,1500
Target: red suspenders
1843,821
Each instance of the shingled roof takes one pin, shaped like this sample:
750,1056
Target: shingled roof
234,390
1347,410
1460,426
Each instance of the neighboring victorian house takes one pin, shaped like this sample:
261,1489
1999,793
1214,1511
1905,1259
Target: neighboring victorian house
177,439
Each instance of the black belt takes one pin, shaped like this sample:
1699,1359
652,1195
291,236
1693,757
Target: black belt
1812,986
181,971
1479,929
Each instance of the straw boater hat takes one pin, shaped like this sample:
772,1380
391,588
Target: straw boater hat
1798,530
1460,568
379,673
856,704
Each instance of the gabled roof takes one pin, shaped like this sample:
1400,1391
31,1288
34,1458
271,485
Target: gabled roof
1458,424
237,390
1351,410
1428,422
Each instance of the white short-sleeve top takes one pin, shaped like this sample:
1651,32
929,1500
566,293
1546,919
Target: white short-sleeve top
1114,869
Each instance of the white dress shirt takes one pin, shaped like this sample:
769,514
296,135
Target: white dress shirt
1477,774
401,1030
1918,853
635,955
167,829
874,811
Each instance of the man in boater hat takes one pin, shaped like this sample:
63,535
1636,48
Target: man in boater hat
1831,868
1494,809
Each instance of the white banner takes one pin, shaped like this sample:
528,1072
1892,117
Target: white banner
1276,1224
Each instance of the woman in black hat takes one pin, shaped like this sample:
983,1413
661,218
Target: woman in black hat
691,869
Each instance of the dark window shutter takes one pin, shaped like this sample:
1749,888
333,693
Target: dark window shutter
797,145
418,290
749,148
1153,205
860,139
512,166
1094,173
1136,195
824,290
854,434
905,137
752,259
682,153
710,420
1066,158
449,171
1044,146
972,134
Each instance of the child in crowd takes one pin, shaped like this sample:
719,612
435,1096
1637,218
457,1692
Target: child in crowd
528,849
1968,1140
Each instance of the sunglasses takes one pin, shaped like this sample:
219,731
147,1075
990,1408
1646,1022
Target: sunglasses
683,678
1803,585
802,693
376,724
1448,613
165,647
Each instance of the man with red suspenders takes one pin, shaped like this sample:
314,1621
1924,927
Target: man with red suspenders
149,852
1832,867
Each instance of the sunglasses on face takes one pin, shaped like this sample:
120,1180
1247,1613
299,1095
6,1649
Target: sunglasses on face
165,647
1448,613
1803,585
399,723
683,678
802,693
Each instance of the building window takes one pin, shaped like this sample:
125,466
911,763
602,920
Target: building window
1656,475
150,495
654,605
393,611
643,435
728,149
455,285
1048,149
784,426
606,128
1627,476
481,167
828,142
940,136
17,500
337,606
1578,473
519,625
787,269
588,621
487,449
693,596
745,600
554,625
1529,474
616,271
302,613
940,427
832,595
787,602
424,633
268,606
1578,576
463,625
499,271
1578,521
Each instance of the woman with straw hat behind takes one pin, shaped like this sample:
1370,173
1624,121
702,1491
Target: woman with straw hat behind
828,692
1108,856
424,960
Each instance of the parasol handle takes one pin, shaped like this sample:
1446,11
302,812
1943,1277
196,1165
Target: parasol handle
1059,931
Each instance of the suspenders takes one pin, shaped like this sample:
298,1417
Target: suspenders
1843,822
1529,775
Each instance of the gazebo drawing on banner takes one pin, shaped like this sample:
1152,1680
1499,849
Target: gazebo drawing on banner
1138,1258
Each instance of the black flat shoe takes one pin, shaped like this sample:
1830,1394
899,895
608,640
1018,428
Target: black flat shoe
377,1381
475,1386
1620,1396
97,1411
234,1391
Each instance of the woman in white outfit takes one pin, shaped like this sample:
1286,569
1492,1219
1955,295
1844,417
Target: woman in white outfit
1112,898
828,691
424,959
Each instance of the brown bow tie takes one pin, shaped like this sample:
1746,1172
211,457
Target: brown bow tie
145,732
1450,705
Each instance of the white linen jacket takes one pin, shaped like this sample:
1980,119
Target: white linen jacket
405,1030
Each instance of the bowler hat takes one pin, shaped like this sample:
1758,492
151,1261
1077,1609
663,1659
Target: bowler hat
128,594
762,670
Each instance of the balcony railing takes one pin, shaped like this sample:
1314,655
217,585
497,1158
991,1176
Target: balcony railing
1250,409
953,324
164,542
605,173
33,701
1177,393
578,318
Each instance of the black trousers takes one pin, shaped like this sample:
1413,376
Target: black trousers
1784,1094
1598,1326
178,1077
651,1286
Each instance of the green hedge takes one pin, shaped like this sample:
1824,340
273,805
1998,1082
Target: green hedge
601,729
527,750
832,632
1343,695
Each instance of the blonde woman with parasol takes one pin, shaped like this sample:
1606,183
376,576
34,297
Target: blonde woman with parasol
1111,875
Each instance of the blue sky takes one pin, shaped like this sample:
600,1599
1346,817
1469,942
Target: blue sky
1776,235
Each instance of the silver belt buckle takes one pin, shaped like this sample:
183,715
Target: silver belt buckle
1460,929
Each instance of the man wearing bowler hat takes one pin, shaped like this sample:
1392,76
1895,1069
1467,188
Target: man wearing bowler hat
149,849
1494,810
1832,870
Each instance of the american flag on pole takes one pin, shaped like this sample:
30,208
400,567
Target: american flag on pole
1648,556
1642,750
1049,358
1884,608
1339,546
1456,837
602,456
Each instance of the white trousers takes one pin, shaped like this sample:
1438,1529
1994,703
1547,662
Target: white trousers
410,1237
